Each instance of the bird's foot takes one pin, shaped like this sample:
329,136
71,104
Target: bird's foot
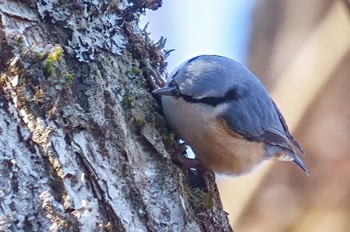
198,174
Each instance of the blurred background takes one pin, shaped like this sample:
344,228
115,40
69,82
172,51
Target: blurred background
301,52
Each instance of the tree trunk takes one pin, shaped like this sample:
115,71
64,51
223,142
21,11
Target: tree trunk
81,139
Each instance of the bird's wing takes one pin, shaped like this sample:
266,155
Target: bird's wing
276,138
286,130
257,118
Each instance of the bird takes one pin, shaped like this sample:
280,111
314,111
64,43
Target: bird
225,114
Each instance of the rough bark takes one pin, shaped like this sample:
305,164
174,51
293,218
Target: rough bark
81,138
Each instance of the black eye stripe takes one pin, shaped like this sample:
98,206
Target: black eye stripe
231,95
177,92
173,84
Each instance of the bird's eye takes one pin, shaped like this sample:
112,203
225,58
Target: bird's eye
172,84
176,91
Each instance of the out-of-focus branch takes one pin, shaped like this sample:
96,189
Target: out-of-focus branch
298,87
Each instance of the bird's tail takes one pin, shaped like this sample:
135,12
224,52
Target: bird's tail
300,163
282,154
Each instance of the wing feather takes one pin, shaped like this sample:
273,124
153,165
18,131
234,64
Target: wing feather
257,118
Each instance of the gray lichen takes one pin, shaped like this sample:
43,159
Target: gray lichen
94,26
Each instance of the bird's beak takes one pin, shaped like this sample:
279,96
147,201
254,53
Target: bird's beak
169,91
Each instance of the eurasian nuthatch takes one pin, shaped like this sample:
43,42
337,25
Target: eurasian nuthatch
219,108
